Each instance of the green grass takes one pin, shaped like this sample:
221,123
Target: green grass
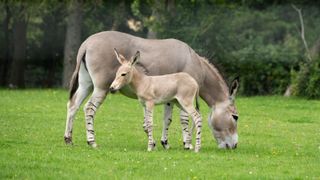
279,138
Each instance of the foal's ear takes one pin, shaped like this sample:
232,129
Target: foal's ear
120,58
135,58
234,88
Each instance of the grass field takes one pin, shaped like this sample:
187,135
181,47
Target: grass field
279,138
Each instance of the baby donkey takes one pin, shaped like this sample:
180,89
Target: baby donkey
152,90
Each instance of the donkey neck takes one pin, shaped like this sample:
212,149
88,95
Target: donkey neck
215,89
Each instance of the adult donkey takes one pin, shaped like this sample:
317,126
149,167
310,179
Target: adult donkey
97,66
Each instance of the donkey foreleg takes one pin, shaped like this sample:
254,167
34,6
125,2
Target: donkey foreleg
166,123
186,134
90,109
148,125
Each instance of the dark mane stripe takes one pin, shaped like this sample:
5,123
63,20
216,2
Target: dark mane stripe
216,71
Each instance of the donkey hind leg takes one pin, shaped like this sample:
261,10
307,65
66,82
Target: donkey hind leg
147,125
90,109
74,103
186,134
166,123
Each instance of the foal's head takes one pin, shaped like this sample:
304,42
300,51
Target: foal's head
223,120
124,73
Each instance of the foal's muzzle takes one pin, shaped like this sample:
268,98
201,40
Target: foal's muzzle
112,90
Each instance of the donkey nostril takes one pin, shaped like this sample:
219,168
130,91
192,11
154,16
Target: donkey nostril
235,146
227,146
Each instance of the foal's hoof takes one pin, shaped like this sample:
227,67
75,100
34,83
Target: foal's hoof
187,146
68,140
165,144
92,144
196,150
152,146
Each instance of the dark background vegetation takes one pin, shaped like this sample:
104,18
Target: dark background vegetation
260,40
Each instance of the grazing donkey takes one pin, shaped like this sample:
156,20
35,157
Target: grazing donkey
96,69
152,90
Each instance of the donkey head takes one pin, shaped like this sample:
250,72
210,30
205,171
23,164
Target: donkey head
223,121
124,73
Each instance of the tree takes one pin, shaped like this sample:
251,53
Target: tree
154,19
73,40
16,78
6,56
315,50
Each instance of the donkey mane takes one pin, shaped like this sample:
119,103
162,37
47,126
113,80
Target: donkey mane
143,68
220,75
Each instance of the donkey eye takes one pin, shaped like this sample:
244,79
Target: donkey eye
123,74
235,117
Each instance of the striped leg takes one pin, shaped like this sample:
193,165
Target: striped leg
166,123
198,123
184,119
147,125
74,103
90,109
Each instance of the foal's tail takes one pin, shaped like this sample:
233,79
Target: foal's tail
74,83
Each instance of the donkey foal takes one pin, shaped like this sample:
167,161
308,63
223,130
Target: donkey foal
152,90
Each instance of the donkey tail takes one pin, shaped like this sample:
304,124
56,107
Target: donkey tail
197,102
74,83
197,108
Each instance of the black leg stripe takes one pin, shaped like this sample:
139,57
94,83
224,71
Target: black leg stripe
93,104
89,116
91,131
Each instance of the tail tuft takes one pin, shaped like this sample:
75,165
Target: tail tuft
73,84
197,102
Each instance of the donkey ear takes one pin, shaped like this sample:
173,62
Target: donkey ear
234,88
135,58
120,58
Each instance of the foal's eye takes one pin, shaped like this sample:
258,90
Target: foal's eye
123,74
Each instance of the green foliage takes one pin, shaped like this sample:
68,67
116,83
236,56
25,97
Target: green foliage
257,40
307,80
270,146
260,46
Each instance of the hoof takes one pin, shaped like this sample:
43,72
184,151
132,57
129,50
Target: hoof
93,144
165,144
187,146
68,140
151,147
190,146
197,149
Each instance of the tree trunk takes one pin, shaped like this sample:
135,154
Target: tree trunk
16,78
169,6
315,50
118,16
4,64
73,40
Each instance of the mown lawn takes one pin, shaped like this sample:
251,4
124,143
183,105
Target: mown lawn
279,138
